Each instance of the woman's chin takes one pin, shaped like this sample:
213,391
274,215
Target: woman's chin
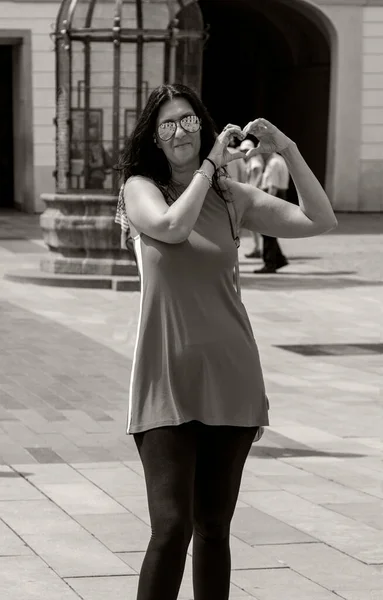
186,156
184,150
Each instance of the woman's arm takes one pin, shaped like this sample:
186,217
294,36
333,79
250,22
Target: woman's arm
150,214
275,217
313,200
269,215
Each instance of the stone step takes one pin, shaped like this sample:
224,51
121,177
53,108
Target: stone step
37,277
128,283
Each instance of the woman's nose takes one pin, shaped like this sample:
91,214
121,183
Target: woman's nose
179,131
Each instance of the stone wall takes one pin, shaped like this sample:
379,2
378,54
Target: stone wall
39,18
371,179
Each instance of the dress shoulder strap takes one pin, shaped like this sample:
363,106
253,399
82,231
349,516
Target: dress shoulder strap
234,224
233,216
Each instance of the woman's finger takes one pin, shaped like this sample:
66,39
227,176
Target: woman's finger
232,125
248,127
232,130
260,125
267,124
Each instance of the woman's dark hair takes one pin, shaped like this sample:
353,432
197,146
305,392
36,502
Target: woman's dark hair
141,156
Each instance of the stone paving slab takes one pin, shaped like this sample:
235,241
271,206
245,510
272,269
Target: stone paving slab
12,544
30,578
245,556
362,595
328,567
37,517
99,588
370,513
136,504
76,554
322,491
274,584
39,474
257,528
13,487
116,482
80,498
120,533
346,474
355,539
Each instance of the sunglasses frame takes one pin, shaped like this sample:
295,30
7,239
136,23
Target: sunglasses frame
179,121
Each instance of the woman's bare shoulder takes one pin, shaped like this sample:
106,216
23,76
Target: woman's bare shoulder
138,182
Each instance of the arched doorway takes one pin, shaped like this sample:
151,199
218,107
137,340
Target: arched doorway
268,59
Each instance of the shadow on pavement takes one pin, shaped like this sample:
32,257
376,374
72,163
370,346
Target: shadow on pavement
304,258
303,274
266,452
317,274
252,261
307,282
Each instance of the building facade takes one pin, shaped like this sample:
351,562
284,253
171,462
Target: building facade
313,67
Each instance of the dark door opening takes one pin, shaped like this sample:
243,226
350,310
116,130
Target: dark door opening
6,129
265,59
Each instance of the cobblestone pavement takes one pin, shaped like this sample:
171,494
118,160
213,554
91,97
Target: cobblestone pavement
309,522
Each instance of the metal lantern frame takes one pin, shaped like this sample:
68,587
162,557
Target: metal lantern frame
180,30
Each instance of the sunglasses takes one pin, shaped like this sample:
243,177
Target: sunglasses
190,124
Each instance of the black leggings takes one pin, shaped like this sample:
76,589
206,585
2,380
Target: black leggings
193,474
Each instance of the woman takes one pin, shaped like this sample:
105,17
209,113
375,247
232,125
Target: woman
197,395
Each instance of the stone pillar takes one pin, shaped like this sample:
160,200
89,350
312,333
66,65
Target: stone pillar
82,237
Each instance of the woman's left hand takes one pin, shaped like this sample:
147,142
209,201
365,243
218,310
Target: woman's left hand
271,139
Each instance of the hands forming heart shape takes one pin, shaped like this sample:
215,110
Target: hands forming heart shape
271,139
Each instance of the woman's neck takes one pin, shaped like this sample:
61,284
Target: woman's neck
184,175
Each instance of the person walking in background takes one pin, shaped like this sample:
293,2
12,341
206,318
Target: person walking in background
274,181
236,169
254,166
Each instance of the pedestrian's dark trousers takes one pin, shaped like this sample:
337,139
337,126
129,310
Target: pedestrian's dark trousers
272,253
193,473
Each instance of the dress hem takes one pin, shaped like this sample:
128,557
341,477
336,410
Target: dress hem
140,429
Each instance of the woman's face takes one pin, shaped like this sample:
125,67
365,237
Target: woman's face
184,147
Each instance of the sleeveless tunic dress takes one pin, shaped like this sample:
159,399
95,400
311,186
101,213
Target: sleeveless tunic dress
195,356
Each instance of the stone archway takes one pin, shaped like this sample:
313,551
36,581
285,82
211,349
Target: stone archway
270,59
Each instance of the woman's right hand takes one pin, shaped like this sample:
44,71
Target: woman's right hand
220,154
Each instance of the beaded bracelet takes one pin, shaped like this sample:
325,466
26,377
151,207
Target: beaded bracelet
201,172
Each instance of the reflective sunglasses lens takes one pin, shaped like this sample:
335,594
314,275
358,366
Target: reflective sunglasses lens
191,123
166,131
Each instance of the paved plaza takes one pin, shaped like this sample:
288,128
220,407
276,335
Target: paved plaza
309,522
